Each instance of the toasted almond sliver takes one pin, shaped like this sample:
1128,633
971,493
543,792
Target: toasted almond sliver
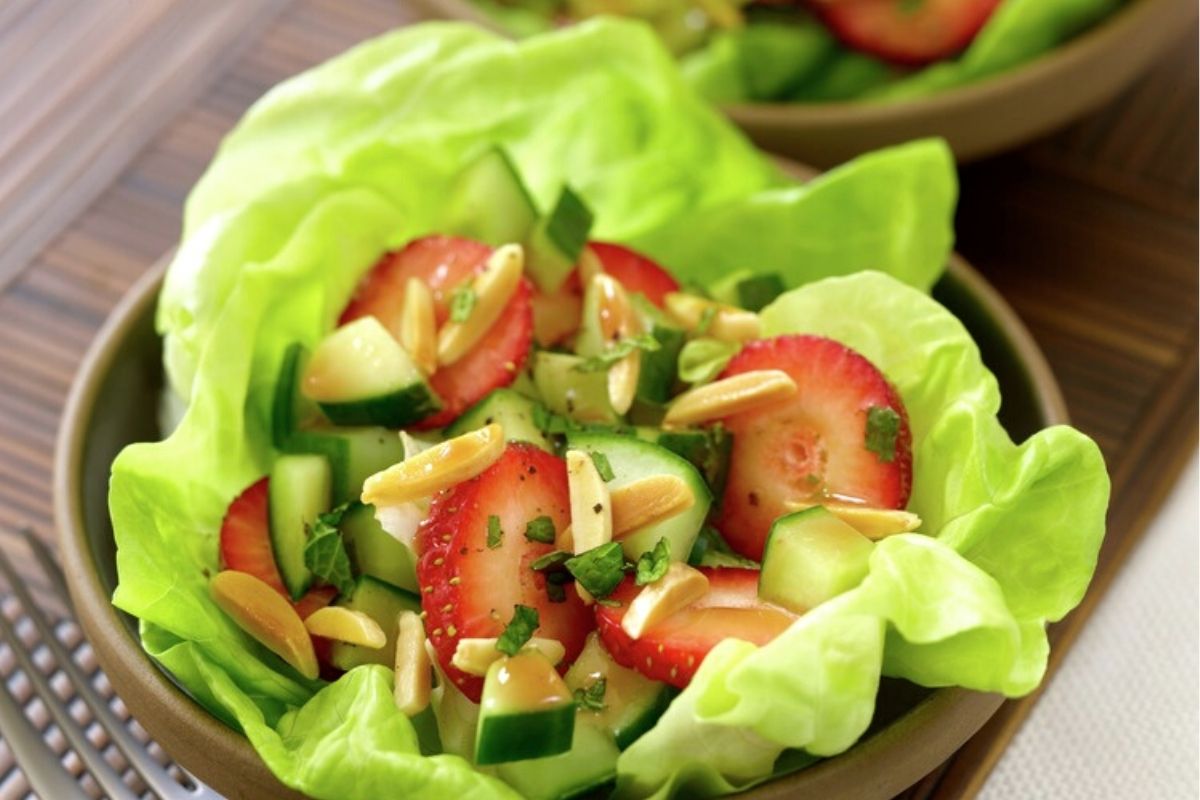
647,501
474,656
591,507
675,591
618,319
263,613
731,395
418,329
623,382
873,523
728,324
437,468
346,625
493,288
564,540
413,680
589,266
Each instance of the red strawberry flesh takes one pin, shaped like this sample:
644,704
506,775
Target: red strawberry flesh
635,272
906,32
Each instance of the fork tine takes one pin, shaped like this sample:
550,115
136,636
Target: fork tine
101,770
142,762
38,762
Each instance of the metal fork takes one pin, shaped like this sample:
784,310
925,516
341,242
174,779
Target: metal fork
39,763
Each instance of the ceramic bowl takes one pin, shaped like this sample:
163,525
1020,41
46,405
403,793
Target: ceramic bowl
979,119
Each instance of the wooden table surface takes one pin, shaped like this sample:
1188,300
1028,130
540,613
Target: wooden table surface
111,109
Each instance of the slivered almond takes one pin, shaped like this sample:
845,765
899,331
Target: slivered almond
413,680
647,501
564,540
589,266
418,328
623,382
675,591
493,288
591,506
263,613
346,625
731,395
728,324
474,656
437,468
618,319
873,523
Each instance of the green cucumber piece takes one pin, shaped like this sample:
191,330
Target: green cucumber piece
354,455
383,603
752,291
525,711
707,449
290,410
633,702
632,459
566,390
656,379
298,492
557,241
515,413
360,375
375,552
810,557
589,766
490,203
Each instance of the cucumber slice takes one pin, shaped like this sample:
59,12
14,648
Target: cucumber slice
354,455
515,413
581,396
490,203
360,375
525,711
632,459
656,380
810,557
589,766
557,241
749,290
707,449
383,603
375,552
298,493
290,410
633,702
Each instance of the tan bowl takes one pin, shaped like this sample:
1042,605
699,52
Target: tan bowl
979,119
114,401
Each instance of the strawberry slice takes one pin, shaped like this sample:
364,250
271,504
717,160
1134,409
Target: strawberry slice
246,537
844,435
468,589
672,650
636,272
909,32
443,262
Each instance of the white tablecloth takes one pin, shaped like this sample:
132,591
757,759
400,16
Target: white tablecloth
1120,718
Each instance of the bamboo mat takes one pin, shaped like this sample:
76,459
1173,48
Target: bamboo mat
1090,234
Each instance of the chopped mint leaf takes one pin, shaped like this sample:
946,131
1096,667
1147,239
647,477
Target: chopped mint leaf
599,570
706,320
602,466
550,561
653,564
556,592
325,554
519,631
701,360
643,341
495,533
540,529
883,428
591,697
462,303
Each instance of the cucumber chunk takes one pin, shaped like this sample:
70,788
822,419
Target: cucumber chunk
632,459
298,492
656,380
383,603
291,410
354,454
810,557
360,375
375,552
706,449
566,390
490,203
557,241
515,413
633,702
587,767
525,711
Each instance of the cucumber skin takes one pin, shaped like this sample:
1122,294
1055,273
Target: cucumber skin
519,737
629,733
660,367
347,656
787,583
397,409
515,412
375,552
350,467
287,540
473,208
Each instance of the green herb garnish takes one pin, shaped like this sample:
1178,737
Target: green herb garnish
602,466
883,428
325,554
495,533
599,570
462,303
618,351
519,631
591,697
653,564
540,529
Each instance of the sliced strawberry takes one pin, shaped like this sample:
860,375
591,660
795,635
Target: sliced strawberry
468,589
443,262
910,32
246,537
672,650
814,444
636,272
314,600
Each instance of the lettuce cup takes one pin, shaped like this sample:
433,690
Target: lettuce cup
476,352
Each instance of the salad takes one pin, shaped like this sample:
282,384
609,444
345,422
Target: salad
539,436
814,51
